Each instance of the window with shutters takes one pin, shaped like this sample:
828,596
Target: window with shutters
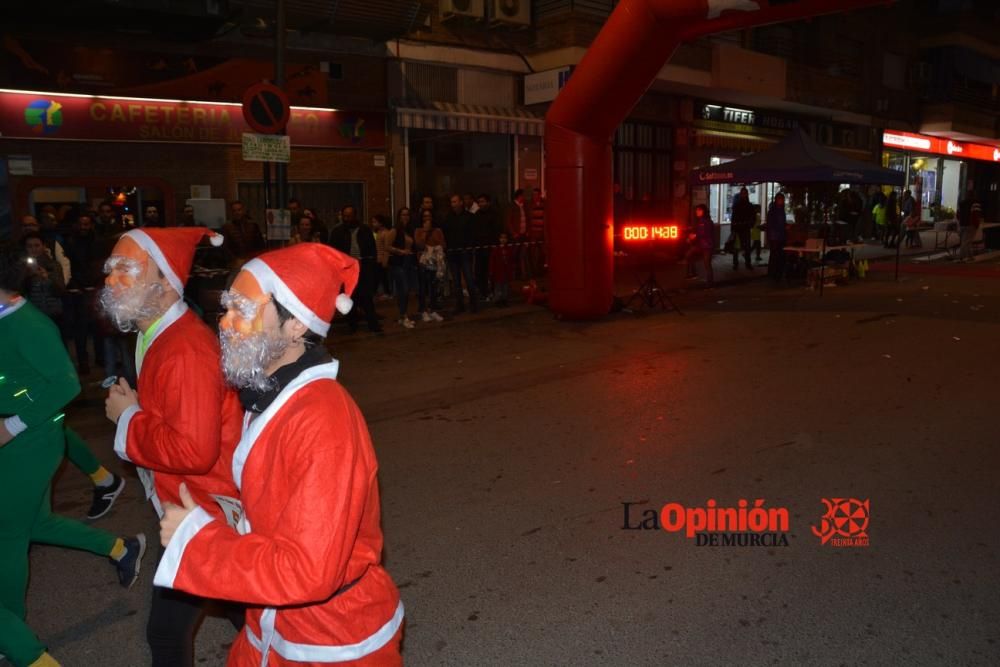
431,82
641,153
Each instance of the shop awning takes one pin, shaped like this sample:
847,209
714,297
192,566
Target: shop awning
797,159
469,118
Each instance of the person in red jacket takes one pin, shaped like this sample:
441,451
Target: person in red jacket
306,553
182,422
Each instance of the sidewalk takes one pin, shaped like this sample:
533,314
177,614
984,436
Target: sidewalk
629,275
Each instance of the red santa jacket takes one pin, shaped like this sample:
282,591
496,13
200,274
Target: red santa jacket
187,422
306,555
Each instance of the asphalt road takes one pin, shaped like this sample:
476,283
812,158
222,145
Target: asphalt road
507,446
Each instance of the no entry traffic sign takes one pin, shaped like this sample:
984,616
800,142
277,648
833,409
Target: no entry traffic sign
265,108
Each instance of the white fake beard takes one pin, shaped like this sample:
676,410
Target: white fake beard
125,308
245,358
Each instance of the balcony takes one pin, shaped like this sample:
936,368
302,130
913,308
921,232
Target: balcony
959,119
963,31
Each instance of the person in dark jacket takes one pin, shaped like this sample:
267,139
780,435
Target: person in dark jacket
86,253
244,240
460,235
44,283
777,234
358,240
744,216
487,234
891,221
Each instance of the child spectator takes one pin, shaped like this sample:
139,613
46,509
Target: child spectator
701,240
502,261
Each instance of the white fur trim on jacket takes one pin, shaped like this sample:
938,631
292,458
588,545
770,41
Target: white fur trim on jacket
171,561
121,432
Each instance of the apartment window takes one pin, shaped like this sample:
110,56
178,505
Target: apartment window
894,71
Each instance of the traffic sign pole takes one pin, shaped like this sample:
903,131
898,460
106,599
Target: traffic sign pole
279,80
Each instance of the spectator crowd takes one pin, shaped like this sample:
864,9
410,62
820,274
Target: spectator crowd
461,250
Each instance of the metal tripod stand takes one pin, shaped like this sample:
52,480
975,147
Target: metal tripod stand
650,294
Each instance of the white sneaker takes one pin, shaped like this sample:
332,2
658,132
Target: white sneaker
426,317
408,323
436,317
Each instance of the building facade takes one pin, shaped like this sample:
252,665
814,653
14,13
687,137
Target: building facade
457,93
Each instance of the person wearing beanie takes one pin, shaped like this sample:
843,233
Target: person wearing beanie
37,381
180,424
306,555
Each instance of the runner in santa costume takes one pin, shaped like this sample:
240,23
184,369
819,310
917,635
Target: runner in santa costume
306,554
183,423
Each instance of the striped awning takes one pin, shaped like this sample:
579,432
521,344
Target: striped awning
469,118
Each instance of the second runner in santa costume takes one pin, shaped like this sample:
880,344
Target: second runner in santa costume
306,555
183,422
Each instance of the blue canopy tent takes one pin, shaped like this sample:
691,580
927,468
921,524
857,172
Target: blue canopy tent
797,159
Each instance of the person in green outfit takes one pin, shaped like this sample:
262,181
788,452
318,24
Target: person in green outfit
37,381
43,286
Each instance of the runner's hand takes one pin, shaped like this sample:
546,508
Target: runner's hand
174,515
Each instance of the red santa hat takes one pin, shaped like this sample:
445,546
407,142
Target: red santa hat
306,279
172,249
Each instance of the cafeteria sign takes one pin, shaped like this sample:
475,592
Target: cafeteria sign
51,117
266,147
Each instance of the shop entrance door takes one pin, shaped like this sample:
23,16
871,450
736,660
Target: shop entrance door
722,196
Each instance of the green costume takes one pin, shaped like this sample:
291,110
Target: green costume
79,454
37,380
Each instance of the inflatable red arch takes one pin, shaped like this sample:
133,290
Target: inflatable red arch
636,41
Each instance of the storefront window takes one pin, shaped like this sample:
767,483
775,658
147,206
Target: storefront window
722,196
937,179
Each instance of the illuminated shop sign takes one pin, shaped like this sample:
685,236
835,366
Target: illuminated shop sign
748,117
31,115
923,143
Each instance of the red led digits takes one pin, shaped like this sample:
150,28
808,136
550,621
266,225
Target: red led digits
636,232
651,232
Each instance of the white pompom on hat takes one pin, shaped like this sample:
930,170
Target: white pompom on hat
308,280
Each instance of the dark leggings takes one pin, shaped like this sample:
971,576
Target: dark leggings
173,620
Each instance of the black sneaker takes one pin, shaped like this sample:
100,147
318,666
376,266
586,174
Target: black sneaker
104,498
128,565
